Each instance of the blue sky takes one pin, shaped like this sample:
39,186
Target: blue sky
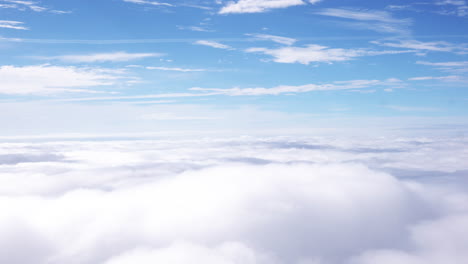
128,66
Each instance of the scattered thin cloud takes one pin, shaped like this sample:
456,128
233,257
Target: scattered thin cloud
102,57
12,25
150,102
440,46
23,5
175,69
134,97
457,8
145,2
382,21
398,7
287,89
195,28
366,15
445,64
197,6
172,116
49,79
456,67
317,53
260,6
352,85
277,39
439,78
451,2
213,44
412,108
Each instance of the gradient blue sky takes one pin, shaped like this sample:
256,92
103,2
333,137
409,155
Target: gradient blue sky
143,66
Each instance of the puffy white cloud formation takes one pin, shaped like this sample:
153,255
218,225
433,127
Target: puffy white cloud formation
234,201
440,241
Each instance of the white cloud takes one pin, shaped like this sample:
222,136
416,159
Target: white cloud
155,102
339,85
445,64
241,200
442,7
12,24
317,53
259,6
129,97
451,2
440,78
382,21
282,89
145,2
434,242
48,79
456,67
412,108
103,57
308,54
175,69
195,28
368,15
172,117
28,5
399,7
184,253
441,46
213,44
277,39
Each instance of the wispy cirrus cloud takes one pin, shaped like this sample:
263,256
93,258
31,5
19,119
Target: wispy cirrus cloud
49,79
12,24
145,2
102,57
274,38
442,7
165,4
177,69
458,7
172,117
259,6
440,46
402,108
452,78
445,64
317,53
383,21
137,97
448,66
213,44
366,15
195,28
28,5
351,85
451,2
282,89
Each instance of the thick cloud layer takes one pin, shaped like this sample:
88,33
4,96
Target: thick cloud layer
235,201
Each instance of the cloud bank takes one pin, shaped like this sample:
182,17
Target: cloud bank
238,200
